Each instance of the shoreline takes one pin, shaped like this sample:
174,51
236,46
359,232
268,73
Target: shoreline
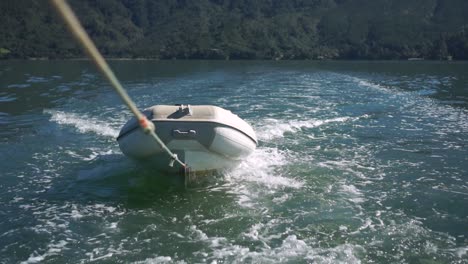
175,59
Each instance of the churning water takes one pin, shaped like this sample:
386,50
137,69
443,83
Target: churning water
358,162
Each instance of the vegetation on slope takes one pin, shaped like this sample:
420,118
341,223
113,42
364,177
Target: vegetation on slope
242,29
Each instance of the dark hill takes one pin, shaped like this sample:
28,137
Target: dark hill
242,29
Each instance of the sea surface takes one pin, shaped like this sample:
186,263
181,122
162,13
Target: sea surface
357,162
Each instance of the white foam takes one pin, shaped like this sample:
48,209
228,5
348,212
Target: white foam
367,224
345,253
430,248
34,259
54,249
352,193
158,260
366,83
292,248
261,174
83,123
108,255
260,168
272,128
75,214
281,199
199,235
93,155
254,232
461,251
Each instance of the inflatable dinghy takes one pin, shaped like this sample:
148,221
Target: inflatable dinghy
205,137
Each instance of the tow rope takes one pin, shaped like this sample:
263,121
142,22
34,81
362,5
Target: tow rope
88,46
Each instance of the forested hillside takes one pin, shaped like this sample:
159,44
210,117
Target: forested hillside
242,29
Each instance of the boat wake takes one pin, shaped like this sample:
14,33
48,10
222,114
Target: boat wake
83,123
263,167
273,128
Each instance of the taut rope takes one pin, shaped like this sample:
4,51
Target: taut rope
80,34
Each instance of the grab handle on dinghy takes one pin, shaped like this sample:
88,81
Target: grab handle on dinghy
179,134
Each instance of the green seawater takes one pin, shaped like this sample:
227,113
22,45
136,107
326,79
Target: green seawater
357,162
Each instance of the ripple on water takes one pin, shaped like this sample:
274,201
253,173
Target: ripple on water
342,174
